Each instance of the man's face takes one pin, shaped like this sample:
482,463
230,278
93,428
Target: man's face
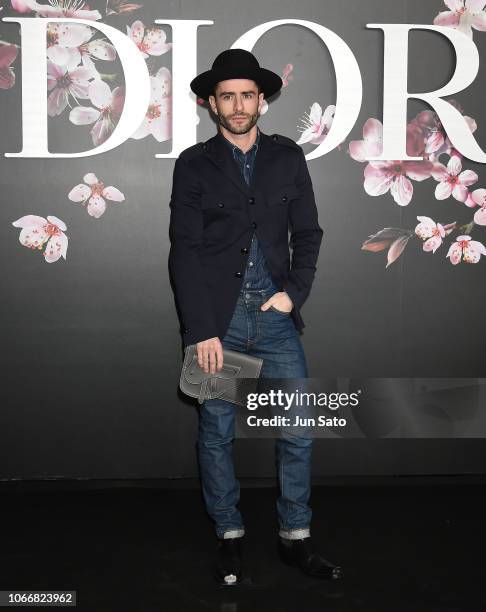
237,104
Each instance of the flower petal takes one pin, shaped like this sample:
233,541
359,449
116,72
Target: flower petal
114,194
454,5
30,221
79,193
56,221
56,102
443,190
475,6
56,247
83,115
468,177
480,216
454,165
447,18
100,93
402,190
101,49
90,178
379,183
96,206
396,249
455,253
460,192
432,244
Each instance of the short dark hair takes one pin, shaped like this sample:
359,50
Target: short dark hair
259,89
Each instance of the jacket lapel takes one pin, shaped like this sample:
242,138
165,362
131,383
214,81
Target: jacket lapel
220,154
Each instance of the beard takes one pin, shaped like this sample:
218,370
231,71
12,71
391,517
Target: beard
228,122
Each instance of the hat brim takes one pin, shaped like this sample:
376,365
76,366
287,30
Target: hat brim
204,83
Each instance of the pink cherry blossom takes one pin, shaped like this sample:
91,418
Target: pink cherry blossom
62,8
463,15
372,143
158,118
109,106
150,41
395,176
286,76
43,234
452,180
8,54
69,44
436,140
431,232
63,82
61,37
469,250
94,192
316,124
478,198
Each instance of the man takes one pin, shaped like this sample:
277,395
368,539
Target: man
233,200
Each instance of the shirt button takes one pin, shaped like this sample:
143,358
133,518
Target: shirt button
247,295
254,225
238,274
250,263
247,165
247,285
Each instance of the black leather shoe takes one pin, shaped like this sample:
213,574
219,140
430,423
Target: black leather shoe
228,563
300,553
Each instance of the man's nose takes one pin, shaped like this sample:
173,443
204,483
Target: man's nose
238,102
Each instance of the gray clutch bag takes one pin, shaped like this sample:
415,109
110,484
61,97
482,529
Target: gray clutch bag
238,377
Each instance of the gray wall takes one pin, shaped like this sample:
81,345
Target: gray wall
91,351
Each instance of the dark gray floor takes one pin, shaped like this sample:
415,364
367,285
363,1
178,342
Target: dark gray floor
404,544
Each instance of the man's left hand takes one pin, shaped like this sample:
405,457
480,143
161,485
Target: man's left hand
280,301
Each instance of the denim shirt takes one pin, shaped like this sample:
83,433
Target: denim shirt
257,276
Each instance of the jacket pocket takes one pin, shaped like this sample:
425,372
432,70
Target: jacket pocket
219,200
283,195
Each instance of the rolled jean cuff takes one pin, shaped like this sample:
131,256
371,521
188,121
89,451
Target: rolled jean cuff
294,534
233,533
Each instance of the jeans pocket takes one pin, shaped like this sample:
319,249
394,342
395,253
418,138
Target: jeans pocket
285,314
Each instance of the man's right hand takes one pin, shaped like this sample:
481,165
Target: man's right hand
210,355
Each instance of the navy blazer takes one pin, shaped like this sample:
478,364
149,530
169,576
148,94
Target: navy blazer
213,214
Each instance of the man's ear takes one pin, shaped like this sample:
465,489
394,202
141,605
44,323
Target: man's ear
212,103
261,97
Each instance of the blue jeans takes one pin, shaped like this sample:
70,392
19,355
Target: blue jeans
270,335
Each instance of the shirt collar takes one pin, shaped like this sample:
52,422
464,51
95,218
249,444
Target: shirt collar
233,146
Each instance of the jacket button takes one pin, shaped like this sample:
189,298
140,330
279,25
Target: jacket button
251,201
284,198
244,251
238,274
274,137
221,204
254,225
185,331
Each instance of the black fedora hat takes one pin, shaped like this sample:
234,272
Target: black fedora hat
235,64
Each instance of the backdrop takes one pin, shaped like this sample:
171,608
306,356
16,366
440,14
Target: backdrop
91,346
